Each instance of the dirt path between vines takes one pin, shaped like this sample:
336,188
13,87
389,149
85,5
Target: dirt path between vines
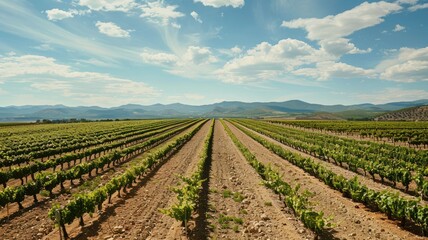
352,220
136,214
236,192
32,222
366,180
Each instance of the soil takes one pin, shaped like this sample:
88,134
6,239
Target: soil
351,220
233,204
263,216
135,215
367,179
33,218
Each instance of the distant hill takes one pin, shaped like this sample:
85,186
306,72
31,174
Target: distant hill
290,109
408,114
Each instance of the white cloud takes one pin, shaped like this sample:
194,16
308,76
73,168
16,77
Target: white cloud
270,62
193,62
57,14
236,50
418,7
341,46
394,95
195,16
408,65
159,58
222,3
199,55
12,22
410,71
44,73
109,5
112,30
175,25
398,28
327,70
160,13
345,23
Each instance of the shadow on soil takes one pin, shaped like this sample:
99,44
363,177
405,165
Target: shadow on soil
92,230
201,230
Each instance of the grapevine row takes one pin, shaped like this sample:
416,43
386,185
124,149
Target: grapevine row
48,181
28,154
188,195
415,133
394,206
299,203
371,159
89,202
37,166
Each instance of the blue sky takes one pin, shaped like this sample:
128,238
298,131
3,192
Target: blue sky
109,53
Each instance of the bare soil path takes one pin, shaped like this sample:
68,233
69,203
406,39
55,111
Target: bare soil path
236,195
135,215
352,220
366,180
32,222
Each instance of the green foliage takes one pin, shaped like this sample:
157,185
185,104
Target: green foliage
272,179
88,202
391,204
227,193
188,192
47,181
225,221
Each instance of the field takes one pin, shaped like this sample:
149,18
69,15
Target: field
214,179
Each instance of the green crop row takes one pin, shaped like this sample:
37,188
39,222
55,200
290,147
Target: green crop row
88,202
272,179
394,206
48,181
37,166
188,194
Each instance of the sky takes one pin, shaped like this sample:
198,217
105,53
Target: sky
114,52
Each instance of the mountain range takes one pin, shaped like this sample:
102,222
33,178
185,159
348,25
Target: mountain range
292,108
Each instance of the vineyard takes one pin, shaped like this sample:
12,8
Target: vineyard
214,179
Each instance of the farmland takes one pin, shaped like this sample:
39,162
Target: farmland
214,178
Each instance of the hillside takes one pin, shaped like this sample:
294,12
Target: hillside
408,114
292,109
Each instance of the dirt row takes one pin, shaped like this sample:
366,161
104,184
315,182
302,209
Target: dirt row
239,207
234,204
17,182
236,192
32,222
135,215
351,220
366,180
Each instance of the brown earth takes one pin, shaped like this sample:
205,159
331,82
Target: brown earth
33,218
351,220
234,204
262,214
377,184
134,215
